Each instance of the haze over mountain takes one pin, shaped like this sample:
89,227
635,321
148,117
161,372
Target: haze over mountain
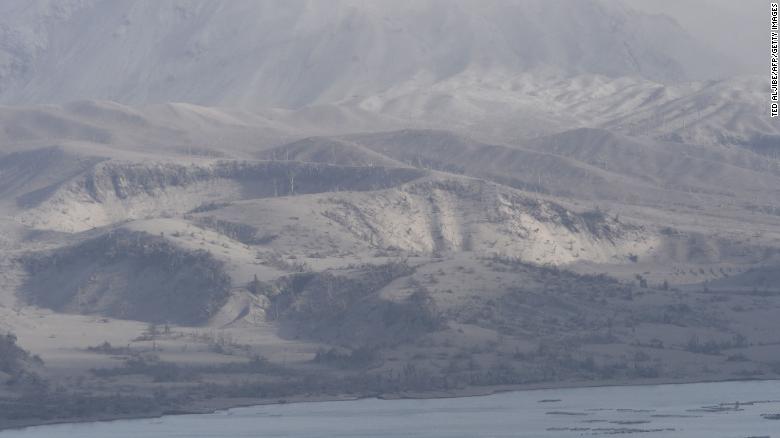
506,69
293,53
213,202
734,29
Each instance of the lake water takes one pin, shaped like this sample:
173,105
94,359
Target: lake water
707,410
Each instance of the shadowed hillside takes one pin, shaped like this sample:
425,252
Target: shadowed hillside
131,276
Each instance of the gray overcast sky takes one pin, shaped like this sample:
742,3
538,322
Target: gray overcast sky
737,27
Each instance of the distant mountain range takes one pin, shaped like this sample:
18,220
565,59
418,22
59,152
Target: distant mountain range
289,54
504,69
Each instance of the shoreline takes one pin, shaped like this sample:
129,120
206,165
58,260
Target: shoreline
213,406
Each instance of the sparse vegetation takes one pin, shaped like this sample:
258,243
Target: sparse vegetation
319,303
107,348
282,262
358,358
14,360
243,233
711,346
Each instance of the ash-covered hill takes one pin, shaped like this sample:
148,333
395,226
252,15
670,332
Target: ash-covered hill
198,267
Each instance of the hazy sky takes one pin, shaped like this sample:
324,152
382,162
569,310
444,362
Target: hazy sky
737,27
